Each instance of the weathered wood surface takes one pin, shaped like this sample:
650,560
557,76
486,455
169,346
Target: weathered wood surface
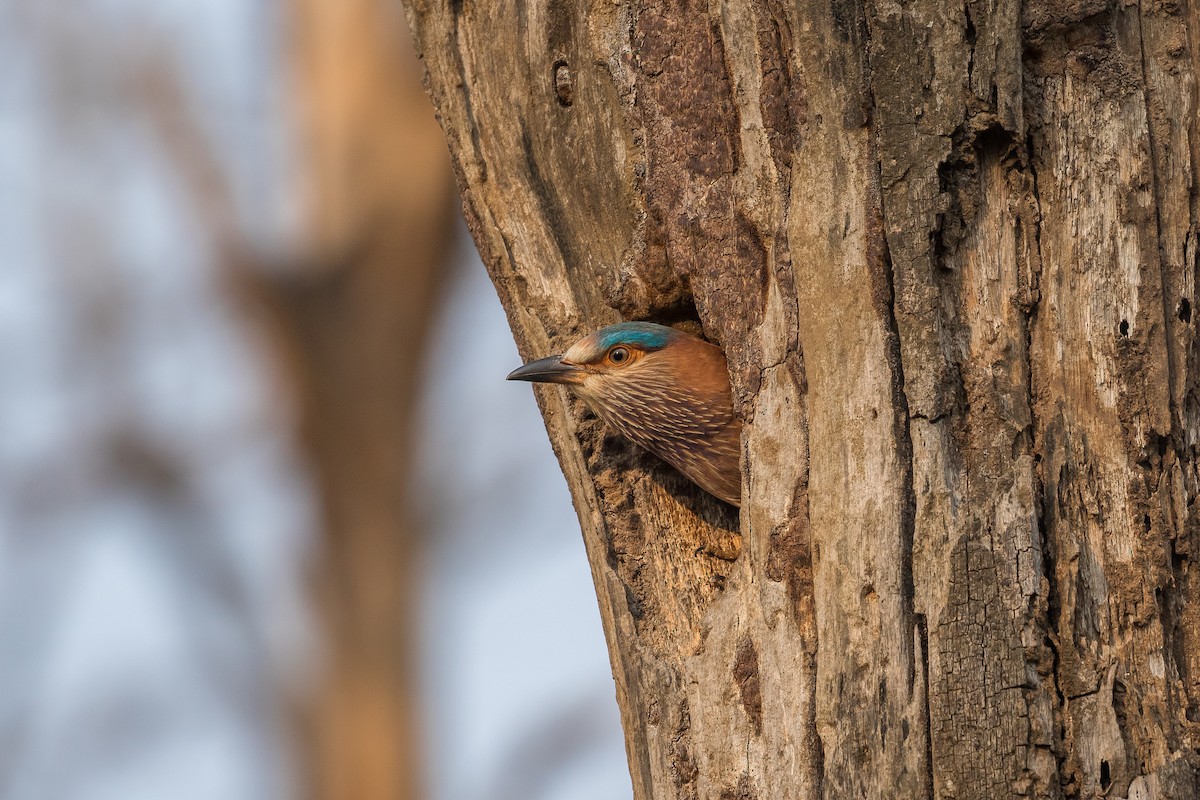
950,251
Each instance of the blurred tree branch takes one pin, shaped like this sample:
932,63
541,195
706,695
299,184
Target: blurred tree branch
354,316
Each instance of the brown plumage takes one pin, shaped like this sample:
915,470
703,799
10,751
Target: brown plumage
662,389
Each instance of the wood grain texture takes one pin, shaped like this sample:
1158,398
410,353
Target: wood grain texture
950,253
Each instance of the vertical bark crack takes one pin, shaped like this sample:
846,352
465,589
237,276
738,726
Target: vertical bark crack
879,257
1164,277
880,262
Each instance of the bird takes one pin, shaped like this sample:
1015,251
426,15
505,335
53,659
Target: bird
660,388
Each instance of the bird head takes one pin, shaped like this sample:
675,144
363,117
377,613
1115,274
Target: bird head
597,365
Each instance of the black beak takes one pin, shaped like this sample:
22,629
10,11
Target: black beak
547,370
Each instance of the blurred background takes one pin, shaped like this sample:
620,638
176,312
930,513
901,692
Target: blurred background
272,524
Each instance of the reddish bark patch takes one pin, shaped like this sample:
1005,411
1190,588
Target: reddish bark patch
789,560
683,765
745,674
784,107
692,143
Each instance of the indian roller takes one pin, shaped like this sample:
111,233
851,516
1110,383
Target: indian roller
663,390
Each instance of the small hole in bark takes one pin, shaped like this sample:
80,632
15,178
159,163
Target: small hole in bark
564,84
1146,521
1124,327
1105,778
1185,310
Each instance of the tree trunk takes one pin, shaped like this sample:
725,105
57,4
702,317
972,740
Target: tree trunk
353,319
950,252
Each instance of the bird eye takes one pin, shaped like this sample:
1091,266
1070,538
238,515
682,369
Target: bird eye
618,355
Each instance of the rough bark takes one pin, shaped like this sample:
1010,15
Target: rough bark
950,252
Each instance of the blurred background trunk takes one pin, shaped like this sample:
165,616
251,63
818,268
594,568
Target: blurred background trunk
950,253
354,319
